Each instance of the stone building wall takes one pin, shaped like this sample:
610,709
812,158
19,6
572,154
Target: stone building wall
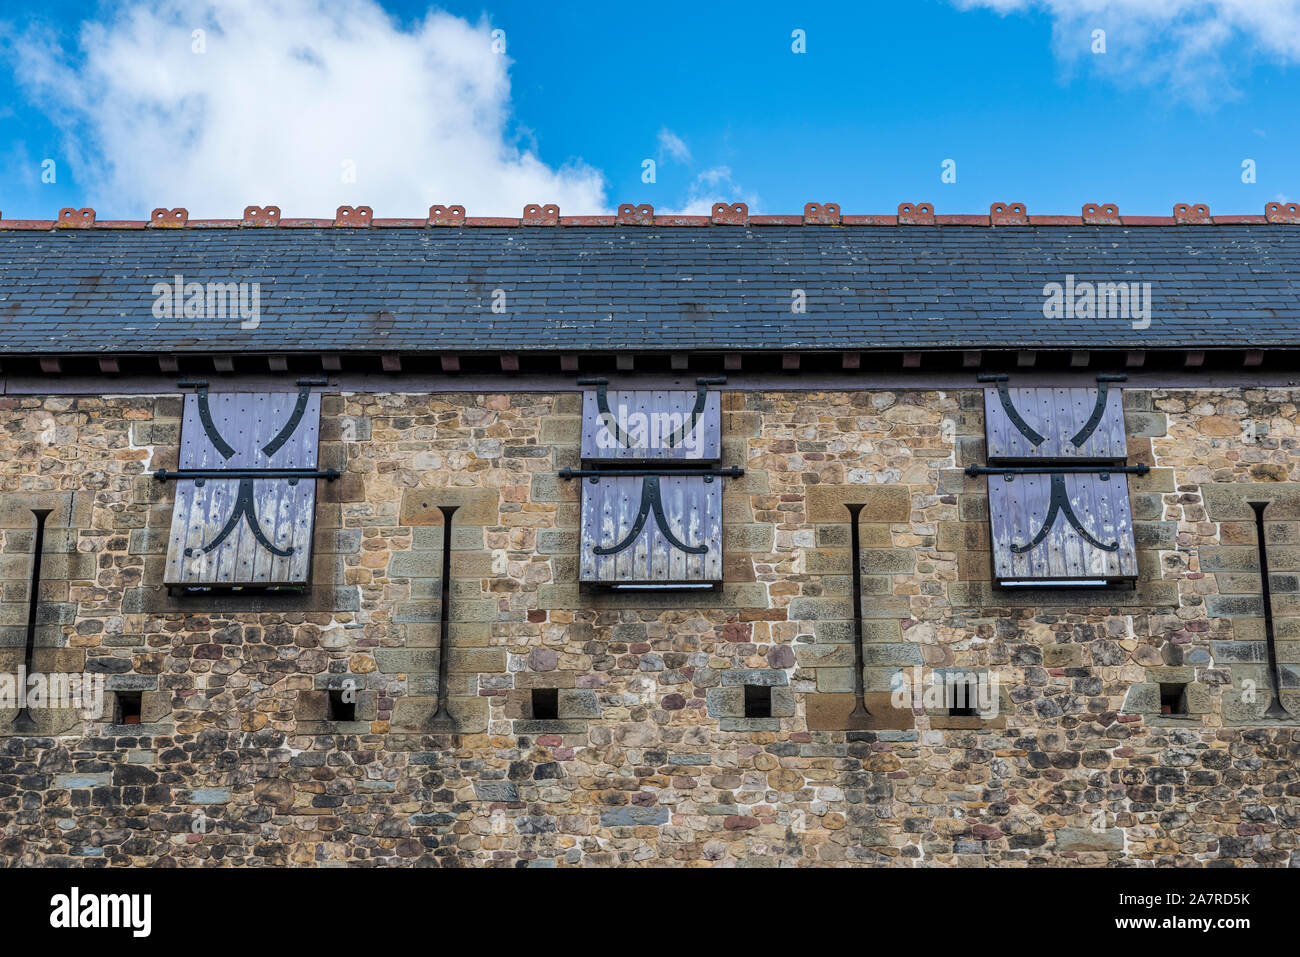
651,761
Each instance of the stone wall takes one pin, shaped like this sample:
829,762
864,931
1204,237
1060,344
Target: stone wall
651,760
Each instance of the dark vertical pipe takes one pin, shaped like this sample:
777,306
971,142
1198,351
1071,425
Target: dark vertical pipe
444,612
855,547
23,720
1275,708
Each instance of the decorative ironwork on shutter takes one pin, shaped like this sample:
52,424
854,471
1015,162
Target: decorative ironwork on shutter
659,525
636,425
1049,424
1062,526
1058,485
254,528
651,529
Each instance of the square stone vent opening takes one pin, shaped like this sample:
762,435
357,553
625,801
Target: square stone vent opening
127,707
961,699
1173,699
341,709
546,704
758,701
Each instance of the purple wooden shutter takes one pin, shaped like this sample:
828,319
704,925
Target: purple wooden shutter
638,425
245,531
1062,527
1065,424
1059,528
652,529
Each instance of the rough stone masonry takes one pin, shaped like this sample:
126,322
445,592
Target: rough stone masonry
649,760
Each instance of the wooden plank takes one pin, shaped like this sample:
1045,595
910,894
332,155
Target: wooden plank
1019,507
708,442
995,425
586,560
674,413
590,425
1044,417
713,538
1076,406
664,563
1115,440
629,561
624,518
678,509
643,428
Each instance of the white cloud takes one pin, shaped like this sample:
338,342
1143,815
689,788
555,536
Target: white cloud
1188,45
714,185
286,92
673,146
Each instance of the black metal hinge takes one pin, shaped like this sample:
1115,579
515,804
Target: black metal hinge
597,474
1009,471
199,475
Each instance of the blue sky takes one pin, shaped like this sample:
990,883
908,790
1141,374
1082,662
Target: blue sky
287,93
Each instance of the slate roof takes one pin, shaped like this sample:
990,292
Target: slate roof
576,288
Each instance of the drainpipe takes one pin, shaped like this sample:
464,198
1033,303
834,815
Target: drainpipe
23,719
860,711
1275,708
444,613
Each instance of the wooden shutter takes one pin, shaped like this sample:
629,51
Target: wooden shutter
635,425
1055,424
671,512
245,531
1071,526
1089,527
